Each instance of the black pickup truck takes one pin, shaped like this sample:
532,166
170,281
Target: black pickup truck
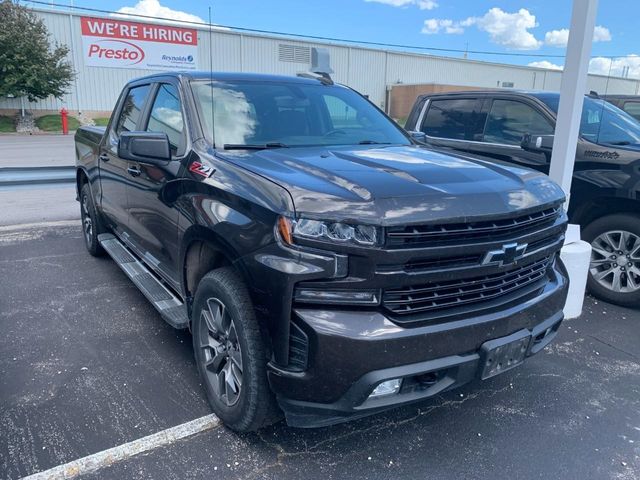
327,265
511,127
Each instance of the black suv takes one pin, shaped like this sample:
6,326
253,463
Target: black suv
517,128
327,265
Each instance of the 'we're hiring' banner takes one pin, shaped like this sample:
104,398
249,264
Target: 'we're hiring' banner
117,43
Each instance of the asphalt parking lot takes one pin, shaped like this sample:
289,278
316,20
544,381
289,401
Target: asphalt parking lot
86,365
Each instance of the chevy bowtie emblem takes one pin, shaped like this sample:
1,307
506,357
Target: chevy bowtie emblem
508,254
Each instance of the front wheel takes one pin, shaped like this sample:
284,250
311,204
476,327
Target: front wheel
614,272
230,352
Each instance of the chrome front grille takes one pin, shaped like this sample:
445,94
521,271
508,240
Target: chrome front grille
460,292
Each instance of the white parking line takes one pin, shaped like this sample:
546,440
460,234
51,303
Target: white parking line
122,452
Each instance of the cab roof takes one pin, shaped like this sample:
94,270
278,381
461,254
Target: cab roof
232,77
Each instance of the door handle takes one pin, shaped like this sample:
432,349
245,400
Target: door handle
104,157
133,171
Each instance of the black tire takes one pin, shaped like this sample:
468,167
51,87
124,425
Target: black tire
594,233
91,225
254,404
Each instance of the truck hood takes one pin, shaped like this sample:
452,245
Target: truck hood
397,184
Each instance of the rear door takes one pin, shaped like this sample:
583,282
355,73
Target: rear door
507,120
113,170
451,121
153,218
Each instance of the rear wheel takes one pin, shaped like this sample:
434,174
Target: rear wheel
614,272
91,226
230,352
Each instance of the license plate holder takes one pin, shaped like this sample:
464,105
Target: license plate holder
504,353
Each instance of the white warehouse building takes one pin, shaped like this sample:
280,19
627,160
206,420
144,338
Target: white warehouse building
95,41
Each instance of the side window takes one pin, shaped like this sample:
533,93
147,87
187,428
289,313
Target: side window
132,109
341,114
509,120
166,116
633,109
450,119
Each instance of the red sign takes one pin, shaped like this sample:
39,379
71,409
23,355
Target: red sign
115,43
123,30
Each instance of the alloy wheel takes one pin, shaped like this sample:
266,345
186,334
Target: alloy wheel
221,351
615,261
87,224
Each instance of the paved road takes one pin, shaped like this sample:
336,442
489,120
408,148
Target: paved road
32,204
36,150
86,364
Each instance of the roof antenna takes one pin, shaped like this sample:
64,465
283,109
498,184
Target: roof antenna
213,130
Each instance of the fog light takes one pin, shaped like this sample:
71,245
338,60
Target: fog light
390,387
337,296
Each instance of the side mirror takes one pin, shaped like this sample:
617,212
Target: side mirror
420,137
537,143
144,147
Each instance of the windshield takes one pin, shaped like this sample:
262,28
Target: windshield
604,123
290,114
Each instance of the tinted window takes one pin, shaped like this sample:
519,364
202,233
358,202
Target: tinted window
166,116
633,109
509,120
604,123
450,119
295,114
132,109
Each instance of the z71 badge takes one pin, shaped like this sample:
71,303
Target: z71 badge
200,169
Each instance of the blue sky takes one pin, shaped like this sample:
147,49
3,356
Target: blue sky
533,27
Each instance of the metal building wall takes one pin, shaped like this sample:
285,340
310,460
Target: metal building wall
367,70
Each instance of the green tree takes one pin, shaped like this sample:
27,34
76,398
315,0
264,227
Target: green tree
29,65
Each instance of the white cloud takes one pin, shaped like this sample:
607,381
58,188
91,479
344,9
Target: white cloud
152,8
434,25
601,34
616,67
559,38
508,29
422,4
603,66
545,64
427,4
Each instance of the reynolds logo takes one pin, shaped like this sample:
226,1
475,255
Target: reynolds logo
178,58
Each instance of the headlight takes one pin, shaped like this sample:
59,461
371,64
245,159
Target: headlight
335,232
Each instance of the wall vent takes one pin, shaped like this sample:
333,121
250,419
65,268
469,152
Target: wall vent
294,53
507,84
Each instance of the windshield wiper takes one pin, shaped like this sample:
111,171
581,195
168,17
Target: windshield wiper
254,146
372,142
620,143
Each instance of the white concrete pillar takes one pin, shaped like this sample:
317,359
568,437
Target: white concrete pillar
576,253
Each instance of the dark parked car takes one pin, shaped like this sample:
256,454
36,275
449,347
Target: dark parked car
517,128
627,103
327,265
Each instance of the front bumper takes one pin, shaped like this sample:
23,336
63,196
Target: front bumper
351,351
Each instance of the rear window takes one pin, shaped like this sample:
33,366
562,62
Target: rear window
452,118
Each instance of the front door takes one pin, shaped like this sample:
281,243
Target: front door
113,170
507,121
153,220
